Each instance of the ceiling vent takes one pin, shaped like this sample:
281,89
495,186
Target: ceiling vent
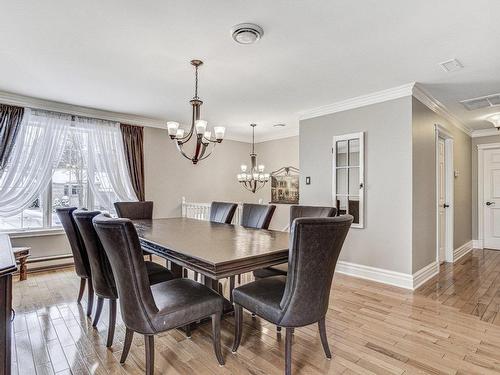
481,102
451,65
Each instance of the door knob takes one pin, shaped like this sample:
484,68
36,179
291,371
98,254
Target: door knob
446,205
490,203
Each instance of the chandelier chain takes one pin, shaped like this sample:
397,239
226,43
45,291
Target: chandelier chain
196,82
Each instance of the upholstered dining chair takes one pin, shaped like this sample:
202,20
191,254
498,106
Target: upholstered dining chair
80,256
150,310
136,211
102,276
222,212
256,216
296,211
302,297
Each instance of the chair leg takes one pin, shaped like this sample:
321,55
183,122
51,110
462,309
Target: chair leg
129,334
185,273
216,338
288,352
324,339
238,326
239,279
149,341
112,322
90,298
187,327
195,276
231,287
98,310
82,289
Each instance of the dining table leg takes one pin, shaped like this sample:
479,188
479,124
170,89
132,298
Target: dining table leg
216,286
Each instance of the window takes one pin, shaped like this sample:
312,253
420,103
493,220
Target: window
348,176
68,188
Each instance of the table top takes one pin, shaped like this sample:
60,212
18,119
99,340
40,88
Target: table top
213,249
7,260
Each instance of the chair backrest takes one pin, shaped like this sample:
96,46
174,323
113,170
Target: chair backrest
134,210
102,275
222,212
121,244
80,257
257,215
297,211
315,245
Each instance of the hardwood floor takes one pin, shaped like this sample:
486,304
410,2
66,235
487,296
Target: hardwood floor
372,329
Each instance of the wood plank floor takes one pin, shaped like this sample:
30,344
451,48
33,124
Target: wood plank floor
372,329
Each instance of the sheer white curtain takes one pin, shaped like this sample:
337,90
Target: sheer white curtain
108,174
37,151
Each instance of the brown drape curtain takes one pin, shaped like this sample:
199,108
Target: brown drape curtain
133,143
10,121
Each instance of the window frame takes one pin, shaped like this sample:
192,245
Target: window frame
48,228
360,136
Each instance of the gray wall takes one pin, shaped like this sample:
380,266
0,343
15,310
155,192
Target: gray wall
274,155
475,142
424,185
385,242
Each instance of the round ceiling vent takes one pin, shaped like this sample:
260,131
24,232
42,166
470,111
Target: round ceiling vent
246,33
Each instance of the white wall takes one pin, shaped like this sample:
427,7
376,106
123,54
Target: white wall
385,242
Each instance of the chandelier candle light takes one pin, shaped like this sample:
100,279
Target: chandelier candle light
255,178
198,128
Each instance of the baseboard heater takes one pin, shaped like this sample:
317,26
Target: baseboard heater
40,264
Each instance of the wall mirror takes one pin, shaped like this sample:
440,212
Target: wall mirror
348,176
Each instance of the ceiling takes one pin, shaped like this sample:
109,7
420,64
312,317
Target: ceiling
133,56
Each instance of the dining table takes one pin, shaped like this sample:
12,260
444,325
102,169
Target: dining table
214,250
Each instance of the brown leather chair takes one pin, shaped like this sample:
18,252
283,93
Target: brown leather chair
146,309
136,211
296,211
301,298
102,276
257,215
222,212
80,257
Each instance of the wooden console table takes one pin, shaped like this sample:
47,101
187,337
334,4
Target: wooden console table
7,268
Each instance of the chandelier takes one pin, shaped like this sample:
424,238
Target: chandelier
255,178
205,142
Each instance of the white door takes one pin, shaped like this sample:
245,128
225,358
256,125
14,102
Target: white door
441,200
491,186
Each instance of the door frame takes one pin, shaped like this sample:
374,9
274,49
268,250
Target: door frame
480,189
443,133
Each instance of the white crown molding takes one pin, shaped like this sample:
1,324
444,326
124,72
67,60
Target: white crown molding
485,132
436,106
359,101
49,105
462,251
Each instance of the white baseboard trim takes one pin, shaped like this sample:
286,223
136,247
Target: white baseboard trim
462,251
380,275
477,244
425,274
399,279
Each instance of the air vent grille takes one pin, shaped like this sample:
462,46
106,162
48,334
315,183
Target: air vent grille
481,102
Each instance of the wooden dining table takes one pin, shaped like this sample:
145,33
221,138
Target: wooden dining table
214,250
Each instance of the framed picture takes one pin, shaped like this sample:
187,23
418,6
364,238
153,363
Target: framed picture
285,186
